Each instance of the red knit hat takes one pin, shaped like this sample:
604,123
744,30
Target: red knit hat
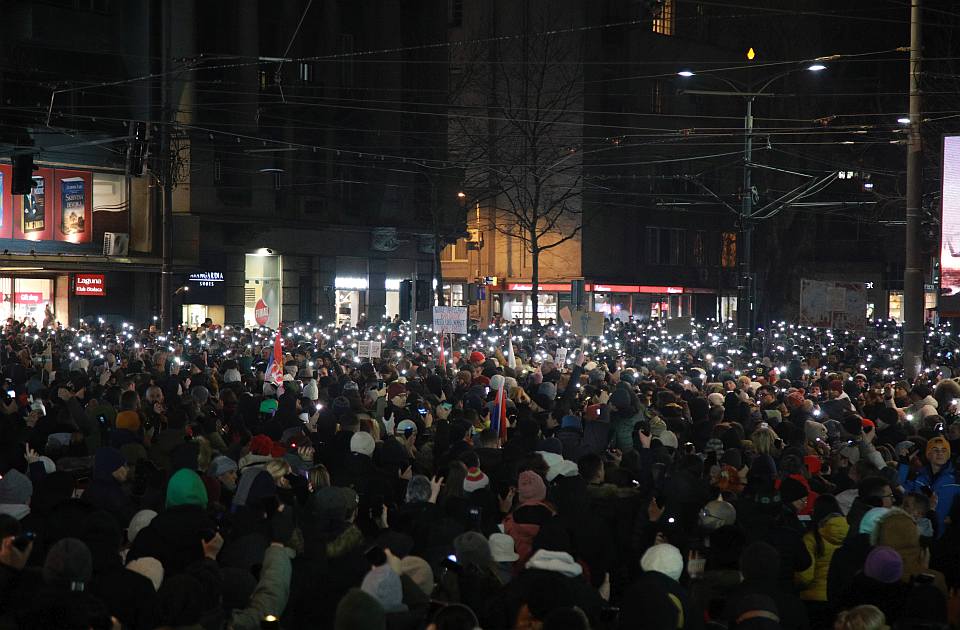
396,389
477,357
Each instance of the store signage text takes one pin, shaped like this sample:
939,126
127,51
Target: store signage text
28,298
261,312
206,278
89,284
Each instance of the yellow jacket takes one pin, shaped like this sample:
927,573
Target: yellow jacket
813,580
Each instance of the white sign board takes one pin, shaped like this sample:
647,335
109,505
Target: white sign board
450,319
587,323
561,356
831,304
368,349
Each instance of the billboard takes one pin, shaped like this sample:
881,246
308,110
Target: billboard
950,228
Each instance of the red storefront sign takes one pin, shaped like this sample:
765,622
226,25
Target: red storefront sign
91,284
31,297
261,312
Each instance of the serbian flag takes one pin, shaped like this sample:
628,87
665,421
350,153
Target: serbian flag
275,362
498,419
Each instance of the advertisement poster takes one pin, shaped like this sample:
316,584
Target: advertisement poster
950,229
6,202
72,206
34,217
74,200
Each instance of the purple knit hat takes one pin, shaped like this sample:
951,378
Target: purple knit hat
883,564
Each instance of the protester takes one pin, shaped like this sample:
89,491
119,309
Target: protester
231,477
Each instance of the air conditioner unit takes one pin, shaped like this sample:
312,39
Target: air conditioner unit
474,239
116,243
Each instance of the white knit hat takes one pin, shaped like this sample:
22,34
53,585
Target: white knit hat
149,568
665,559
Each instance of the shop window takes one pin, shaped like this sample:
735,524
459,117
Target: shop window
728,250
665,246
262,290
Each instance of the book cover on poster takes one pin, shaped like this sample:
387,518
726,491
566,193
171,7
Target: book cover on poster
72,200
35,208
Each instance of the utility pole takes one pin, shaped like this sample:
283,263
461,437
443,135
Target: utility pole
745,305
166,174
913,324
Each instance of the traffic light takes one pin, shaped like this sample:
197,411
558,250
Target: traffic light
406,298
23,168
423,295
472,293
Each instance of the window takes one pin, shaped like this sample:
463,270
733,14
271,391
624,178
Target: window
699,256
306,72
455,253
665,246
663,17
728,250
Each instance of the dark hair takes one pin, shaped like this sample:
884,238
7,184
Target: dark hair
590,466
872,487
129,400
455,617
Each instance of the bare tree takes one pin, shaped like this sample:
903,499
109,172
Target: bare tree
517,127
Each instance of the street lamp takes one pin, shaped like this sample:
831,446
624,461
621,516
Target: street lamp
746,286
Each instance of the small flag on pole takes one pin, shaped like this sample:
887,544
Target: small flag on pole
275,362
498,419
511,360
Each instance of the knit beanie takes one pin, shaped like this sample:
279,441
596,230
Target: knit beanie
363,443
937,442
884,564
139,521
129,420
69,561
221,465
792,490
186,488
231,376
813,430
418,570
384,585
15,488
359,611
530,487
475,480
150,568
715,399
472,548
663,558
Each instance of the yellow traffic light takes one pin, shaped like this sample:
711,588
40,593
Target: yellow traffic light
751,54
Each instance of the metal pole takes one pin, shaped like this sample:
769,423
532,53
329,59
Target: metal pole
166,177
912,272
745,304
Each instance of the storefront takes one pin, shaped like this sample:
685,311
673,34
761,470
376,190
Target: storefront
621,301
262,289
515,302
203,297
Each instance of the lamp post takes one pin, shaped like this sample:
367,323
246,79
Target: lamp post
746,284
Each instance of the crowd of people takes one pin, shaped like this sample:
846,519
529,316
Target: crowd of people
654,476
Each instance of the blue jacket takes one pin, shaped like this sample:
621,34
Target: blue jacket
943,483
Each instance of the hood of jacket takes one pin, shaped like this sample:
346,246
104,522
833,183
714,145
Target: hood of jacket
834,529
348,540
